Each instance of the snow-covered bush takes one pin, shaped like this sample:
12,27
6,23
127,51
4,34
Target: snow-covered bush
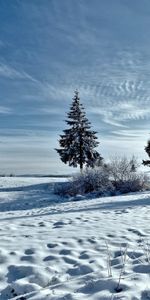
69,188
119,176
93,180
121,169
63,189
90,180
125,177
135,183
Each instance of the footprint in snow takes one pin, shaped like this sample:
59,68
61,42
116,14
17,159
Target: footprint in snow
91,241
110,235
80,270
18,272
65,252
49,258
69,260
51,245
84,255
29,251
64,243
27,235
143,269
12,253
135,231
80,241
28,258
41,224
58,224
117,253
134,255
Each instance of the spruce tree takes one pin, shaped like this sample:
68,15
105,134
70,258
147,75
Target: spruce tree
78,143
147,149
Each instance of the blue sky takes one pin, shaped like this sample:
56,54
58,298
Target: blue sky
48,48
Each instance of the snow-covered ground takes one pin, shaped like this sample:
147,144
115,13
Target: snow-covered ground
74,250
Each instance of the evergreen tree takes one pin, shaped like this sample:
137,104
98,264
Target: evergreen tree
133,164
78,142
147,149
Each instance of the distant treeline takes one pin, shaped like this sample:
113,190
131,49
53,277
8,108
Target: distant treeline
36,175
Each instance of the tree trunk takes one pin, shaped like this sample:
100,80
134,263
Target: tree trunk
81,167
81,153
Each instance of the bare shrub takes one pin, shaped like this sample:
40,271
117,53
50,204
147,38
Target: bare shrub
120,175
122,168
62,188
69,188
93,180
125,176
90,180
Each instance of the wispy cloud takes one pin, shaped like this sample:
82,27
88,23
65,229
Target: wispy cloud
132,133
10,72
5,110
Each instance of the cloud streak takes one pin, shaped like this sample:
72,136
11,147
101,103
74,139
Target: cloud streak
5,110
12,73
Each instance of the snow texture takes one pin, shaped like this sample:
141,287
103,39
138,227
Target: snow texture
74,250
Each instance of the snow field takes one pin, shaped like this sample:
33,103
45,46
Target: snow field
72,250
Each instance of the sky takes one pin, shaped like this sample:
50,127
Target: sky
49,48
